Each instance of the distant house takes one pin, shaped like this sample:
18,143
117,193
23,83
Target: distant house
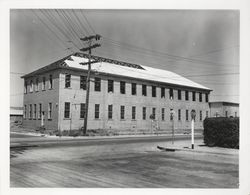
224,109
122,96
16,115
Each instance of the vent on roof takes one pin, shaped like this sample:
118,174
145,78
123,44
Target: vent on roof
101,59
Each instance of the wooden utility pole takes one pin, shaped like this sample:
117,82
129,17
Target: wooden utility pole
90,46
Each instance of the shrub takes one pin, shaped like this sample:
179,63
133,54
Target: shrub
222,132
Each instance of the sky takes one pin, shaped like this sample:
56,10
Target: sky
200,45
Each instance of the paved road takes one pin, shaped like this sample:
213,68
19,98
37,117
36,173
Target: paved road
120,163
27,140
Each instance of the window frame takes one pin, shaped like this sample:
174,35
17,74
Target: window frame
171,93
179,94
200,97
154,91
50,81
44,83
67,80
179,114
122,112
83,82
187,95
163,93
133,89
133,113
97,85
110,86
144,90
110,112
97,111
163,114
154,113
122,87
193,96
67,110
50,111
144,113
82,110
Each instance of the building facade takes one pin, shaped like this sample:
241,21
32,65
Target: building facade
123,96
224,109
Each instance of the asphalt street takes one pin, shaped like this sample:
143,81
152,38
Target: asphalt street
123,163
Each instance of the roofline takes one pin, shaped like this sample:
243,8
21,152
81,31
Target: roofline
61,62
225,103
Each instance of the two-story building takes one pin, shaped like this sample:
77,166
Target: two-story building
122,96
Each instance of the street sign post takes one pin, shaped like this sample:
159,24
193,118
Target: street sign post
172,119
193,114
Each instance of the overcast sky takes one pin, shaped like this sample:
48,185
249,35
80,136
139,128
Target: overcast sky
200,45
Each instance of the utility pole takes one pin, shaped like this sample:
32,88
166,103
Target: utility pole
89,39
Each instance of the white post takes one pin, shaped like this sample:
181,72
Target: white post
192,129
42,119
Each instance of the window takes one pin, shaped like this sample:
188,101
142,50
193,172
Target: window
43,84
143,113
97,84
110,111
122,112
25,86
82,110
162,92
153,91
133,112
50,81
31,86
25,111
30,115
226,113
200,115
186,115
235,114
200,97
83,82
36,85
163,114
122,87
66,110
206,97
179,94
206,114
133,88
171,93
40,111
110,86
153,113
186,95
144,90
179,114
97,112
50,111
193,95
171,114
67,80
34,115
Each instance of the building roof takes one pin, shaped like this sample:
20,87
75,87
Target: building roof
225,103
113,67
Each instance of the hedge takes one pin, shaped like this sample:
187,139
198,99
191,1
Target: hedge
222,132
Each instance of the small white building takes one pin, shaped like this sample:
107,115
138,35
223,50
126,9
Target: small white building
224,109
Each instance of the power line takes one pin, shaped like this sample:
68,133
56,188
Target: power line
81,22
88,22
175,57
61,41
